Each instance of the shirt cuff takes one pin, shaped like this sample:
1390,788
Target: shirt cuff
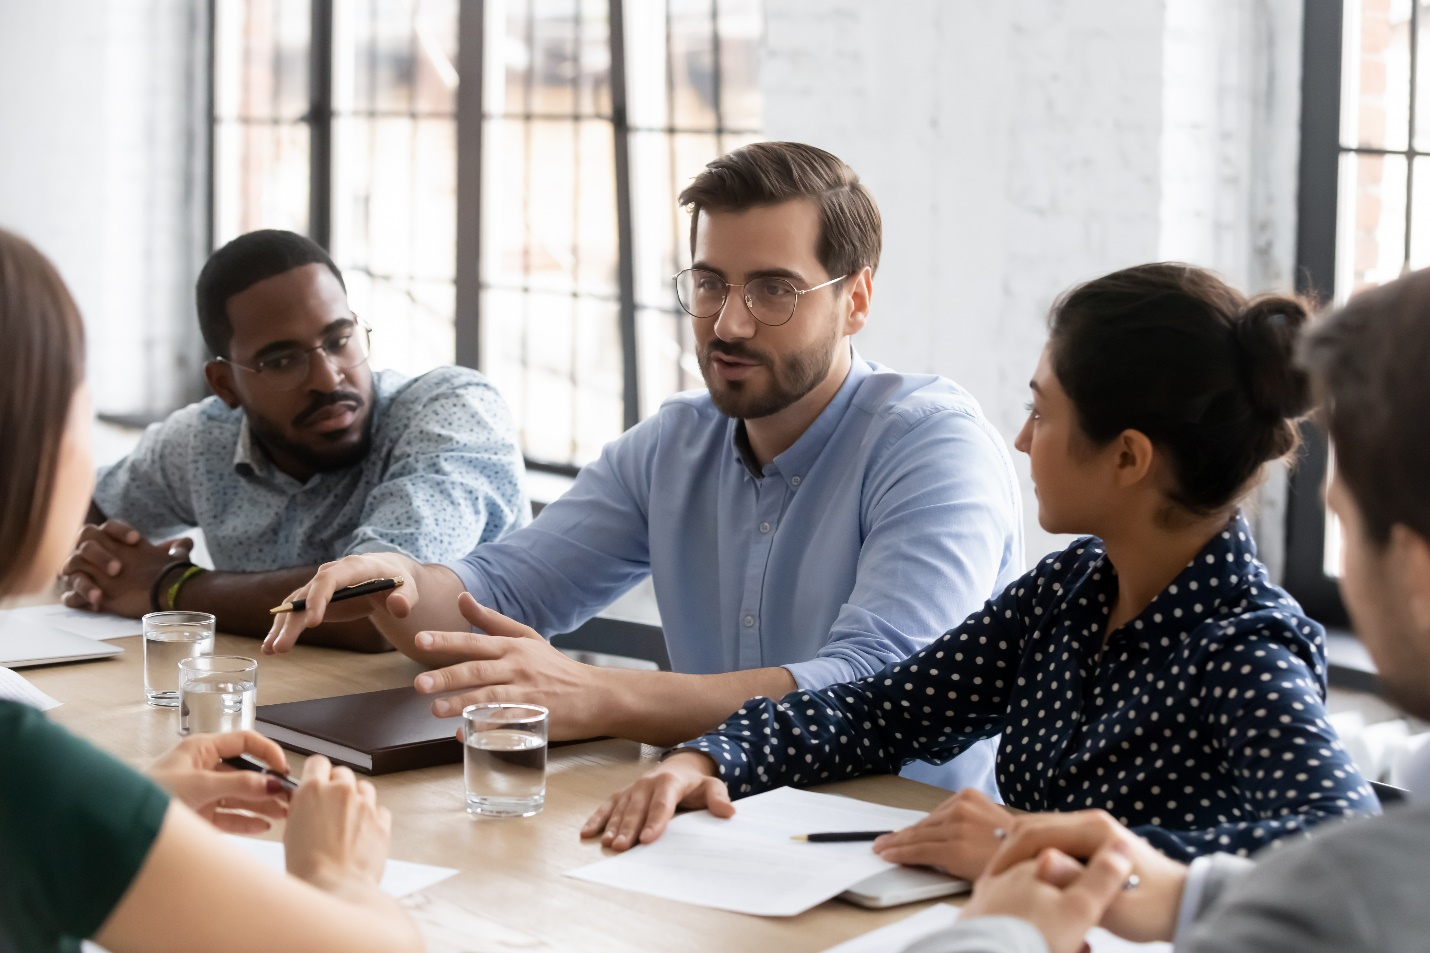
473,583
1191,897
820,673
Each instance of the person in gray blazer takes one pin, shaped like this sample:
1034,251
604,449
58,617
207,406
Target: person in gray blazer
1361,888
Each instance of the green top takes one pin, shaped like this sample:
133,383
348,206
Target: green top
75,826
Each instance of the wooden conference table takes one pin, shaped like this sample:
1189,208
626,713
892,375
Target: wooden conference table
510,894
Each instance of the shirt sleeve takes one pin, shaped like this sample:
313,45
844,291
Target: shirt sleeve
75,827
582,551
941,517
929,707
454,479
151,489
1281,752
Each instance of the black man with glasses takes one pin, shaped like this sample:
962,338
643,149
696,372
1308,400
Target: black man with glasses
806,518
304,455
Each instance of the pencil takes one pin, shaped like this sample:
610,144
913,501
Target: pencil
839,837
351,592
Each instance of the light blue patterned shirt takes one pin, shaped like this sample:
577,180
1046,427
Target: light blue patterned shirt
891,518
444,473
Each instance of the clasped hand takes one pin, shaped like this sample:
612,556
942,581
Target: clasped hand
113,567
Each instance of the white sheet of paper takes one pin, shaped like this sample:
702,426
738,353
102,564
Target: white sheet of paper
748,863
399,877
91,625
16,688
901,934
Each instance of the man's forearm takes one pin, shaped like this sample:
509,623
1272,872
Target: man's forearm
240,602
666,708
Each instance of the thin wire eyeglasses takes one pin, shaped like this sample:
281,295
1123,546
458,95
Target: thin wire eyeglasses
771,301
347,348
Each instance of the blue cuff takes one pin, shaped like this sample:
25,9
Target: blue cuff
1191,897
822,672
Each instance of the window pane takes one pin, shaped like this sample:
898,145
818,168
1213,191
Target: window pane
695,92
260,178
1375,82
1422,77
261,58
741,24
1370,233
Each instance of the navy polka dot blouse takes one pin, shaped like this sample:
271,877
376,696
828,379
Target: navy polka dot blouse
1202,726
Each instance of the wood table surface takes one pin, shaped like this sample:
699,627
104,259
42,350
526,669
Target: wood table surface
511,894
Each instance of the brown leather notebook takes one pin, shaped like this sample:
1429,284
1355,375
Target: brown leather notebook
372,732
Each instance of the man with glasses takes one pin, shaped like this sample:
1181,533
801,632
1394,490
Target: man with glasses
303,455
806,520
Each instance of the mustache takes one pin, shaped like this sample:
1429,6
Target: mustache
323,401
735,349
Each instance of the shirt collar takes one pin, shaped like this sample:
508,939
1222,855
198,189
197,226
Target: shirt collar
795,463
1196,595
248,457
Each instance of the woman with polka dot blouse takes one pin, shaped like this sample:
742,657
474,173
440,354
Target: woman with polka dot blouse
1151,669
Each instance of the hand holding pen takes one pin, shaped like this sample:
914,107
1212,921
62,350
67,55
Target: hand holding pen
353,587
196,773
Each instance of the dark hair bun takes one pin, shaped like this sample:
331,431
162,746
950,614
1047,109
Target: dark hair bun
1174,352
1266,336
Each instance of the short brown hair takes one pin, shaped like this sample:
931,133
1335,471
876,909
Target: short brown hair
41,365
1370,363
768,173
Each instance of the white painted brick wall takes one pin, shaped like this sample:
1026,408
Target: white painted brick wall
102,166
1019,147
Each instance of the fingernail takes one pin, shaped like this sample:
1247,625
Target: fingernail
423,640
424,682
880,843
274,786
441,707
114,568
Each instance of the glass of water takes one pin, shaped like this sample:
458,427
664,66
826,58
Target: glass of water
217,693
505,759
168,638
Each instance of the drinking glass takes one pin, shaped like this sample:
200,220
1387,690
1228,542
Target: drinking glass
505,759
217,693
168,638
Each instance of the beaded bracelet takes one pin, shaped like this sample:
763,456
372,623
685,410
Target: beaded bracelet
157,586
189,573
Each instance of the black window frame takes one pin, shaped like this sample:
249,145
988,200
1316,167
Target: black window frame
1317,208
470,115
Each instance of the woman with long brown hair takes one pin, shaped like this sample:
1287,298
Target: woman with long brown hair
88,847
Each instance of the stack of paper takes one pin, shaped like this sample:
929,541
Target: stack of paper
91,625
903,934
748,863
16,688
399,877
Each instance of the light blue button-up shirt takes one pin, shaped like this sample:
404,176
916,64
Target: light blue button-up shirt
889,520
444,473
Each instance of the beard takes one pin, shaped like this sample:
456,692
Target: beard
319,459
789,377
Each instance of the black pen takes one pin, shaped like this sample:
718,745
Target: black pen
840,837
244,762
351,592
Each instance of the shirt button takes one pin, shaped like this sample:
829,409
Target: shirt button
764,527
795,481
749,621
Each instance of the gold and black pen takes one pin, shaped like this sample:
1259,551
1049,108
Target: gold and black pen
351,592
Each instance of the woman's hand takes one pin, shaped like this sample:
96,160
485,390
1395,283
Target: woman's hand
193,774
337,835
1057,895
958,837
638,814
